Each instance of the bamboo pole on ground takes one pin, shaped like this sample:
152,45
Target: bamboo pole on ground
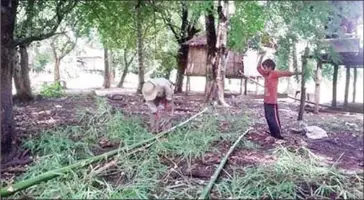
207,189
12,189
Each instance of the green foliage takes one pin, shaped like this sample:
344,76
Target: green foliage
39,20
327,71
248,20
105,17
41,59
120,35
284,53
165,54
53,90
291,22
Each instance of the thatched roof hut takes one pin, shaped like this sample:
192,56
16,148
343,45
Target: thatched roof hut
197,54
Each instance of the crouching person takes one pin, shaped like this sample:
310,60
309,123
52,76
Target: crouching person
158,92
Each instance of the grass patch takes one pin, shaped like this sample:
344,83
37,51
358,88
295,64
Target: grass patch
191,141
236,123
295,175
138,175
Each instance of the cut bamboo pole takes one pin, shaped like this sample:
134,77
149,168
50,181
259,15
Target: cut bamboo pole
207,189
12,189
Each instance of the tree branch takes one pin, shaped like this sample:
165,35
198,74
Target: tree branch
65,51
168,22
132,58
34,38
60,14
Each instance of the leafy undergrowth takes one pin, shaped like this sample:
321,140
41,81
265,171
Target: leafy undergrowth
297,174
144,175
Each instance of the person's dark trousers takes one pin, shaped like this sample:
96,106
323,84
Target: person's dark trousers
272,117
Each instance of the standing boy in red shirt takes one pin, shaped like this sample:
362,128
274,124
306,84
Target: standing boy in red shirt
271,76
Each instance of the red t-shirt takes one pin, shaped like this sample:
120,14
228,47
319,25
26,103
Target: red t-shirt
271,83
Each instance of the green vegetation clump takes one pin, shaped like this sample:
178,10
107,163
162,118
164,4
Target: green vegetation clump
297,174
53,90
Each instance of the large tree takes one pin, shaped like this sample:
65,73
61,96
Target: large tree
141,68
217,52
181,17
10,10
233,32
62,45
36,20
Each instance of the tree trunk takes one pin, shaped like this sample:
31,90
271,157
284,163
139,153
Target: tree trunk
182,58
318,79
106,69
334,85
125,72
347,82
8,18
126,67
21,76
223,54
211,57
17,71
111,67
246,86
354,83
303,85
57,73
140,48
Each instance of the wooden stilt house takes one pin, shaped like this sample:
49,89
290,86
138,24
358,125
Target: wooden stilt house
197,55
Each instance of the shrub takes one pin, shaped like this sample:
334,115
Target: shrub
53,90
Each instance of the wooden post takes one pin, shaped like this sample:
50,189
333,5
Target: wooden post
188,85
241,86
317,85
354,83
334,85
246,86
303,85
256,86
347,81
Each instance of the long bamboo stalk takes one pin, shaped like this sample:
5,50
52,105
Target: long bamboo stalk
207,189
12,189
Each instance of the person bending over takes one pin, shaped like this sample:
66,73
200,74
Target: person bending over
158,92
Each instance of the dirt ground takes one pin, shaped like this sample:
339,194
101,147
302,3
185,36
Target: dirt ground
343,146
